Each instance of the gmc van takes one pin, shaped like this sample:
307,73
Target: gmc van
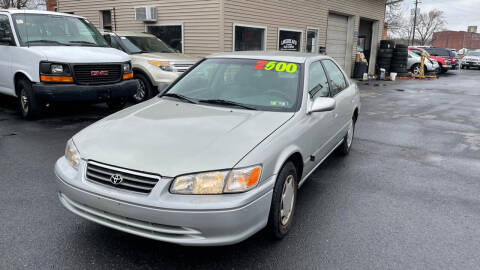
48,57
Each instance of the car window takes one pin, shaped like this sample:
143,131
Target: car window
112,41
338,83
260,84
6,35
317,81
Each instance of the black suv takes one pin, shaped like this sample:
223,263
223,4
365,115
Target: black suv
446,53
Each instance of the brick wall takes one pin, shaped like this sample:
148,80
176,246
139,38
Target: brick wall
51,5
456,40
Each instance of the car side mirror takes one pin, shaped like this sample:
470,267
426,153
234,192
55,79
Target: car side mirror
323,104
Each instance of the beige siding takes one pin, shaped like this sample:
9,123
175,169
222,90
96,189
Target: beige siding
200,18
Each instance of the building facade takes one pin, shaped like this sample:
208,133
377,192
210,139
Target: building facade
202,27
456,40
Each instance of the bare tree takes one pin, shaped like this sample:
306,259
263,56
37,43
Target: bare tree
428,23
31,4
394,18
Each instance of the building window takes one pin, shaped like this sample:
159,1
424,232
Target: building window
106,19
289,40
170,34
312,37
249,38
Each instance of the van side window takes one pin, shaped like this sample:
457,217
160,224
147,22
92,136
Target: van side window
336,77
6,35
317,81
112,41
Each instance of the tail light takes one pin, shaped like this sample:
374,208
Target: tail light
452,60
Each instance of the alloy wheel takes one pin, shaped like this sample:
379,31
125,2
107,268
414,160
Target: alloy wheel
350,134
288,198
24,101
140,95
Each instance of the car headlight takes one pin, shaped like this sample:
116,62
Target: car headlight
165,66
217,182
55,73
72,155
127,68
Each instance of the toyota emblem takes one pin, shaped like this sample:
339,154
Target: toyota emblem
116,179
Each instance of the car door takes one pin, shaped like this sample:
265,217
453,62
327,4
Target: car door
322,124
7,45
344,94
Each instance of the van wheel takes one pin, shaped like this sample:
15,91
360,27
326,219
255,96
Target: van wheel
283,201
30,106
144,90
346,145
116,104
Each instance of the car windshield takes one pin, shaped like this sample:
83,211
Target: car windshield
56,30
473,54
255,84
145,44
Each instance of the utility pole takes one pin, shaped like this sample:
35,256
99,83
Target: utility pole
415,22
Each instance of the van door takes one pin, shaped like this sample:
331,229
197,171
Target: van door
344,94
7,44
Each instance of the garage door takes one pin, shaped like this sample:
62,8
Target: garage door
337,38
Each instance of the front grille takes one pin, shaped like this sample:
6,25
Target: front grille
131,180
84,75
182,66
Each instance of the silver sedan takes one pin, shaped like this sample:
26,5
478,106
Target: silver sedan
219,155
415,61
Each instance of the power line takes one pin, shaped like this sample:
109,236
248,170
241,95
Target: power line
415,21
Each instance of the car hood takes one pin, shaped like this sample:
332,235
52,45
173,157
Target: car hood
81,54
166,57
472,58
171,138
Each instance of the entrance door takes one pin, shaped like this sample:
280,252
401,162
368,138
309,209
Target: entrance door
337,38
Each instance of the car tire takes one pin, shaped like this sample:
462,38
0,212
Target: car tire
416,69
116,104
145,89
344,148
284,198
30,105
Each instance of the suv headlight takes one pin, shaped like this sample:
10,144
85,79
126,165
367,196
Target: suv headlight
72,154
217,182
127,71
165,66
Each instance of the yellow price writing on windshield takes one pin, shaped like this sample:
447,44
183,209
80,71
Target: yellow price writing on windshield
276,66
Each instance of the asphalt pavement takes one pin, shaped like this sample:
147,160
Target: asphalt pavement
407,196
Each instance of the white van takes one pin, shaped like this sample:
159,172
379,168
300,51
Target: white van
48,57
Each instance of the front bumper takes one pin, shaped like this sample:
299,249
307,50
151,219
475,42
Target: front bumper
87,93
471,64
196,223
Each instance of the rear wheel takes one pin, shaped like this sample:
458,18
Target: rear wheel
416,69
30,106
283,201
346,145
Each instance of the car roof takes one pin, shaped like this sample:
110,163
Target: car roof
28,11
294,57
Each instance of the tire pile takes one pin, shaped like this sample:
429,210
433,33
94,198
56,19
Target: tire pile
400,60
393,58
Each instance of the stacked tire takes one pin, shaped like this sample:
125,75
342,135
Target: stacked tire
400,60
385,55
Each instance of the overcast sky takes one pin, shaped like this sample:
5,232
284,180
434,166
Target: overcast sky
459,13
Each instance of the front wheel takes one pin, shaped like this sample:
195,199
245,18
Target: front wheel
144,90
30,106
346,145
416,69
283,201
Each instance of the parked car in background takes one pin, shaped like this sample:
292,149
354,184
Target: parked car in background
445,53
445,63
155,64
48,57
471,59
219,155
415,61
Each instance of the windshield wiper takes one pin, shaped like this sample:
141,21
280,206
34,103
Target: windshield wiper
178,96
45,41
226,102
138,52
85,43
